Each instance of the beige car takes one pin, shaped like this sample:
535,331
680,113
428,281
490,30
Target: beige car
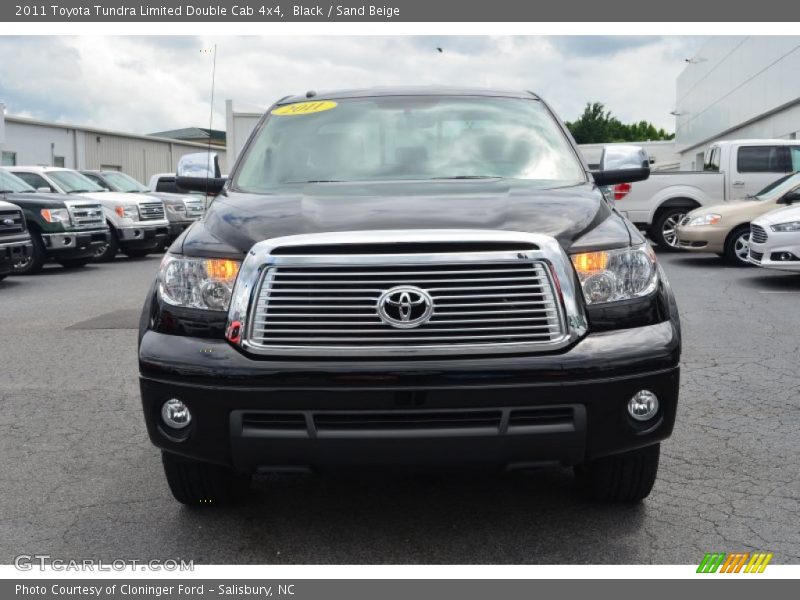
725,228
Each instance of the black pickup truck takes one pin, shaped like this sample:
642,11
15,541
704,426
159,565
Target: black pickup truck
410,278
66,229
15,242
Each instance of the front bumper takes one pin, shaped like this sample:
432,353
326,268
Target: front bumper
13,249
143,235
75,244
705,238
767,254
499,412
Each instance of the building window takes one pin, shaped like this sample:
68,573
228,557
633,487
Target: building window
58,161
9,159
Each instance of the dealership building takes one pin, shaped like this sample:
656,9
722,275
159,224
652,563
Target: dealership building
737,88
25,141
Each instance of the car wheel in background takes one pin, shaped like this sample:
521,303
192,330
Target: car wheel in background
74,263
737,246
627,477
108,251
197,483
665,228
33,263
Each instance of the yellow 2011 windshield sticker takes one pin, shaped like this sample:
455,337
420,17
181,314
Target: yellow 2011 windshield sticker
304,108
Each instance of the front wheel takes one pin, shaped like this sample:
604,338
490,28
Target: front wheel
627,477
197,483
665,228
107,251
33,263
737,246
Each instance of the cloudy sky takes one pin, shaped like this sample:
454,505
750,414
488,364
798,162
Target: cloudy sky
145,84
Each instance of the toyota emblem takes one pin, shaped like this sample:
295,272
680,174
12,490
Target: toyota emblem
405,307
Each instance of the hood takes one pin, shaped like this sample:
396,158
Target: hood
38,201
747,209
115,198
7,205
781,215
236,221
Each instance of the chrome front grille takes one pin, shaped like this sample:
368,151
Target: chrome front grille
758,234
86,216
330,307
151,211
11,221
194,208
685,221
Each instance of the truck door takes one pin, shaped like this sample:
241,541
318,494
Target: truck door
756,166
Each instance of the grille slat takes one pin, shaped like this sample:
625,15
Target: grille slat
86,216
17,222
477,303
151,211
758,234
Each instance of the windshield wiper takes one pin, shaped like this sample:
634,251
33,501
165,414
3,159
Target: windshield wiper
6,191
318,181
78,192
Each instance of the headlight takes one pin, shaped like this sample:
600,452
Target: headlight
613,275
130,211
786,227
197,282
56,215
176,208
704,220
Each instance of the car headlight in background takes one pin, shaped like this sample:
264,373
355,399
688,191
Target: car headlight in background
614,275
130,211
176,208
55,215
786,227
204,283
711,219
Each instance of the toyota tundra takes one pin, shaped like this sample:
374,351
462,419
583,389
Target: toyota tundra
410,278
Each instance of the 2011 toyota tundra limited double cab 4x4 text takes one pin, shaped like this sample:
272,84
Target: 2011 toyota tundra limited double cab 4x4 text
410,279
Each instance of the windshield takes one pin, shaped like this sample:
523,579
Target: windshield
12,183
121,182
409,138
780,183
73,182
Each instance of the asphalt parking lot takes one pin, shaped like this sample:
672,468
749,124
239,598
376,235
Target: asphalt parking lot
79,478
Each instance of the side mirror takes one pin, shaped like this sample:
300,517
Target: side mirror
44,190
199,172
790,197
622,164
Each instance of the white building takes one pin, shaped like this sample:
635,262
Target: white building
737,88
32,142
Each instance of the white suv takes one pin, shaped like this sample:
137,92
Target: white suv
138,224
775,239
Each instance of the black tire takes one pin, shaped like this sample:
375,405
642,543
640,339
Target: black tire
33,263
627,477
203,484
109,251
664,229
737,246
138,252
74,263
3,276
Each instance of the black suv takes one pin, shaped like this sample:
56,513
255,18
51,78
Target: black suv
410,279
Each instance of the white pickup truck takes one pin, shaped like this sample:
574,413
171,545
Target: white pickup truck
732,170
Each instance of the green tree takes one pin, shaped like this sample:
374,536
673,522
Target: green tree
597,125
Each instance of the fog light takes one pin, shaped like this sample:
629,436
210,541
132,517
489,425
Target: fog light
643,406
176,414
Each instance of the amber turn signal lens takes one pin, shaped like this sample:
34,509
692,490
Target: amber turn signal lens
590,262
222,269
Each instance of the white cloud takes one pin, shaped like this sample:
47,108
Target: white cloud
145,84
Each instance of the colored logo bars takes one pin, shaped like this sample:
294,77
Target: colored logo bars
737,562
